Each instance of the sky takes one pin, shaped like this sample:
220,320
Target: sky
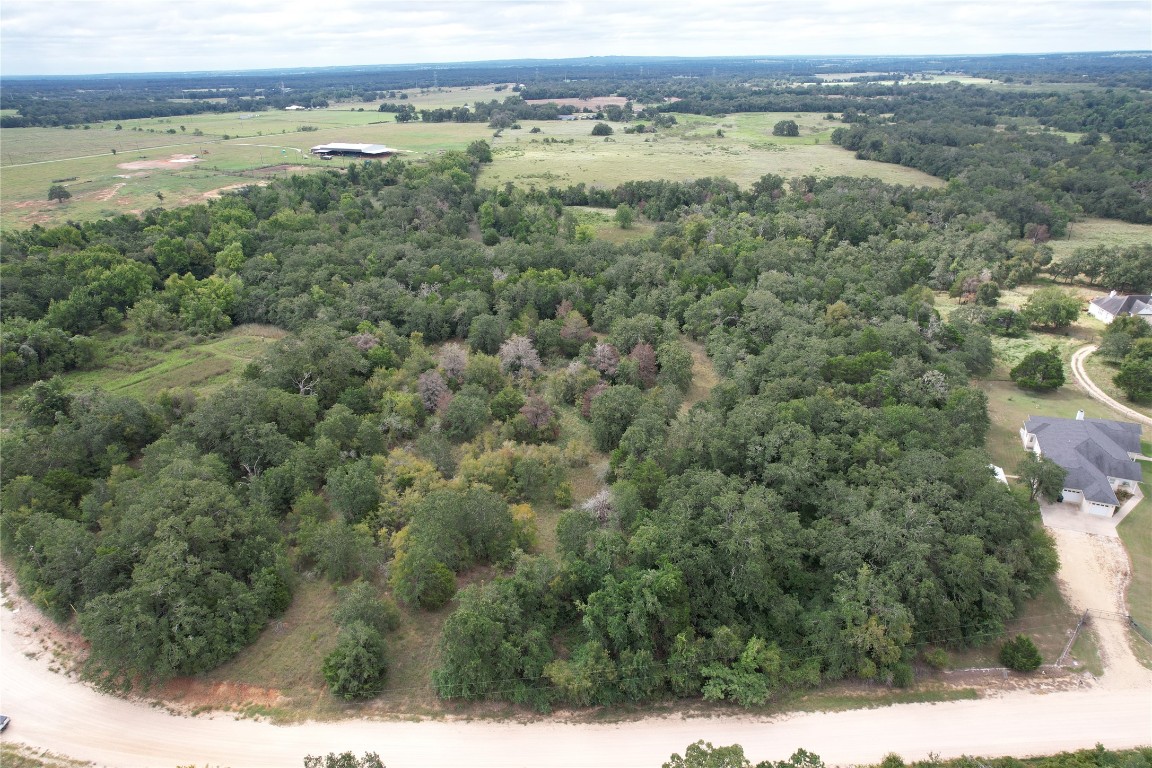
57,37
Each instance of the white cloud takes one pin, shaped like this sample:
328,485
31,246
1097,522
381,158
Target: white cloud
93,36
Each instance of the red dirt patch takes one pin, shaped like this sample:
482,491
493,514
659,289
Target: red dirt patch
109,193
172,163
190,693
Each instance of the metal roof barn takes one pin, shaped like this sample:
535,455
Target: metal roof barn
357,150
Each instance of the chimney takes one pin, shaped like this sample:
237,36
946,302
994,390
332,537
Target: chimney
1079,415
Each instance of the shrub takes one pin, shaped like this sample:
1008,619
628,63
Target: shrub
786,128
356,667
1020,654
936,658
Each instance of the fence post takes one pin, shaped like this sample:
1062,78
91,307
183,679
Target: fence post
1071,640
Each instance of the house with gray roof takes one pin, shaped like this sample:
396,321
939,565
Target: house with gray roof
1099,456
1114,305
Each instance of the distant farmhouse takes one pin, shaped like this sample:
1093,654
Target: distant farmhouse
1099,456
355,150
1108,308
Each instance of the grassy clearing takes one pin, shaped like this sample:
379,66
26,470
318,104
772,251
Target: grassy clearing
236,149
34,158
1009,407
1091,232
689,150
203,368
144,374
288,654
604,222
704,376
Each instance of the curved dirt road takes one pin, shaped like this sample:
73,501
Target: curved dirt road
1086,384
53,712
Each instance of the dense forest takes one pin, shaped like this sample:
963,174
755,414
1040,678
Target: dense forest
825,512
455,355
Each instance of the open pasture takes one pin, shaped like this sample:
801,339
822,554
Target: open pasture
691,149
82,160
257,147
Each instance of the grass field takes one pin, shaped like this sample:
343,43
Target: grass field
1090,232
263,144
144,373
689,150
1101,374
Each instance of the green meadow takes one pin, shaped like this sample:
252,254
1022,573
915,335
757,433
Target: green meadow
130,170
691,149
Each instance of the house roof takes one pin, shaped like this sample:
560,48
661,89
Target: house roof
1116,304
1091,450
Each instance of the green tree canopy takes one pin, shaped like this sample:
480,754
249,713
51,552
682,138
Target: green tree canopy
786,128
1051,308
1041,370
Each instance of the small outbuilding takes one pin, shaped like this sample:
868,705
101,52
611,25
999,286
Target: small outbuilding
1099,456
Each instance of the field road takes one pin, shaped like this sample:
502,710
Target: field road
1095,392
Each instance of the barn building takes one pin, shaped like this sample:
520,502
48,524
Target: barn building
376,151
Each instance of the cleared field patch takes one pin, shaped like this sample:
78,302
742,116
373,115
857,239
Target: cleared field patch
594,103
689,150
1009,407
704,376
438,98
202,368
35,145
82,160
1108,232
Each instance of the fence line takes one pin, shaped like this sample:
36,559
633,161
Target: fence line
1072,640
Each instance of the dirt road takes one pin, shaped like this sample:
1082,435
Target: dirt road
1086,384
52,712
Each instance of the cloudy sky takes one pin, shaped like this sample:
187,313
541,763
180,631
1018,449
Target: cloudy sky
98,36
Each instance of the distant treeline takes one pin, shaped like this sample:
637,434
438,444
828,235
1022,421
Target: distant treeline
76,100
